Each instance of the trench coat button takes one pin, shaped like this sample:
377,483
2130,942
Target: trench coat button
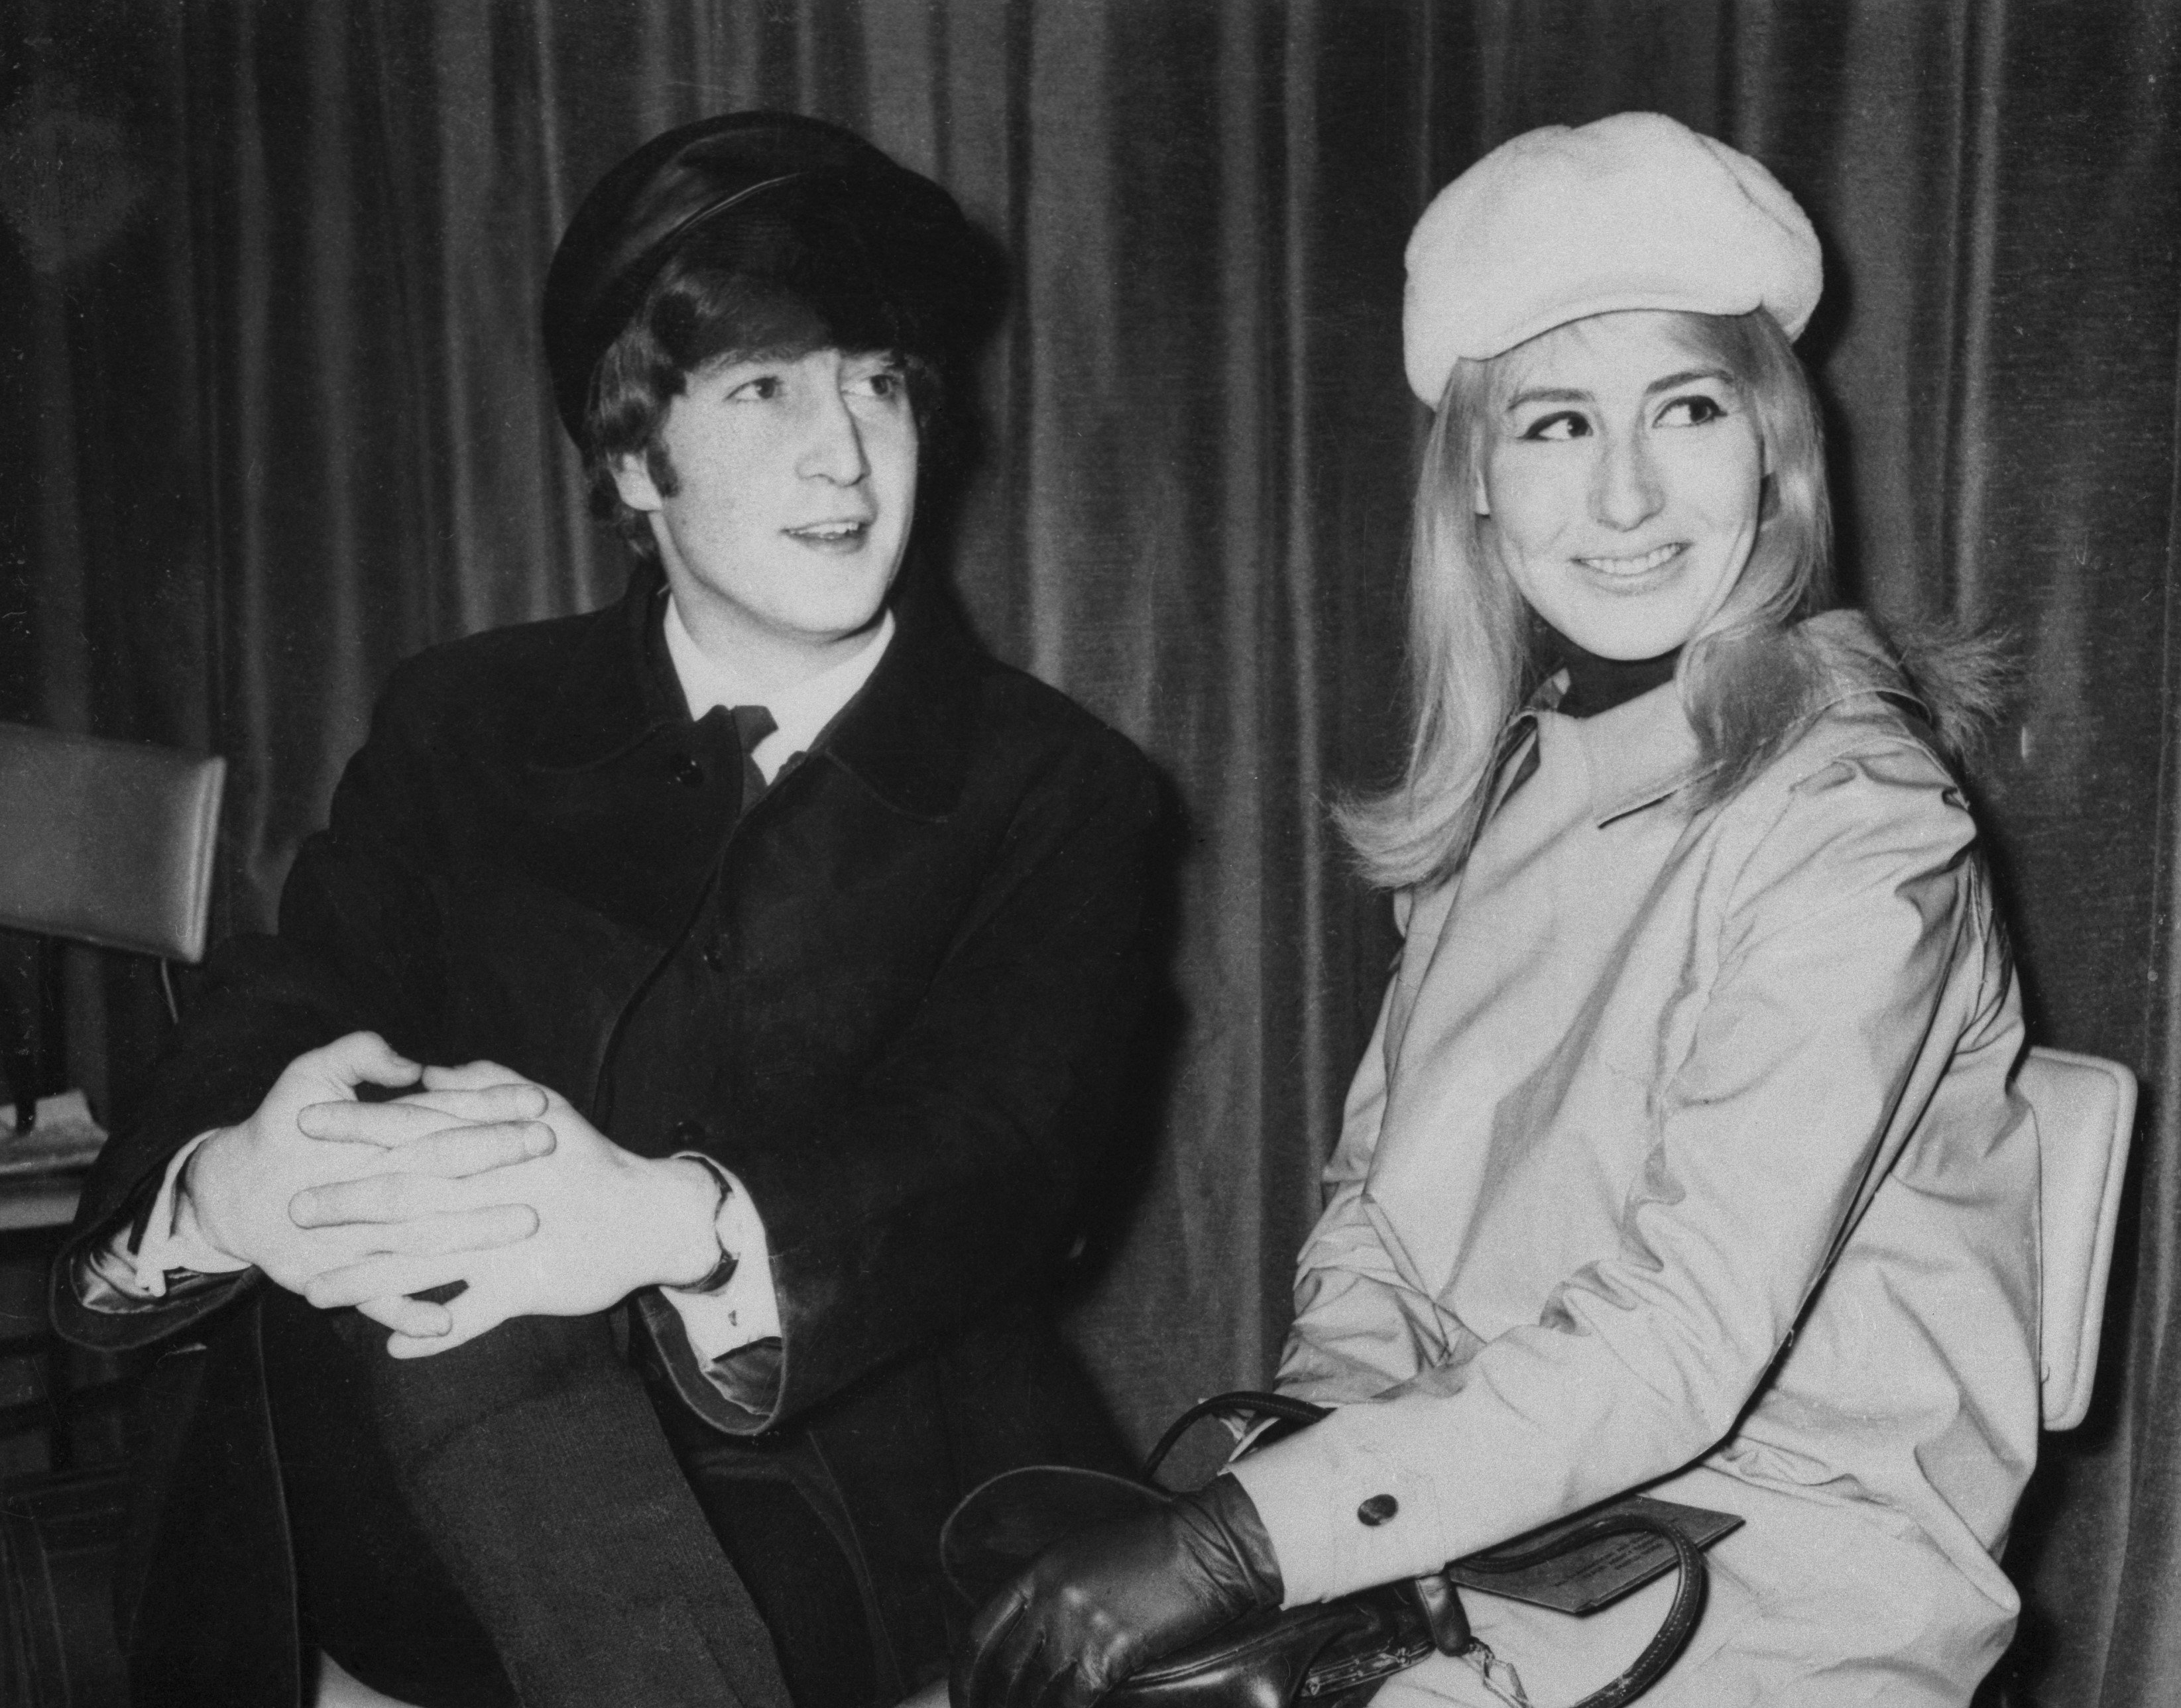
1377,1510
714,957
687,772
690,1133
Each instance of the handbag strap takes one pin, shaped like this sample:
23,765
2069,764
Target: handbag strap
1239,1402
1674,1631
1658,1654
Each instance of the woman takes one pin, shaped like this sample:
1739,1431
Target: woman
1684,1157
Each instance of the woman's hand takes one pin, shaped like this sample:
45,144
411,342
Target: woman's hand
1099,1605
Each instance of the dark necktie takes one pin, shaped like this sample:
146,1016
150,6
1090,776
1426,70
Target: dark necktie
752,724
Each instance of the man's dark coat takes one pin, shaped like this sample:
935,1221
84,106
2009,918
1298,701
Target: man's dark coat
912,968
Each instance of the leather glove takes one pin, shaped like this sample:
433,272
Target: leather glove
1097,1606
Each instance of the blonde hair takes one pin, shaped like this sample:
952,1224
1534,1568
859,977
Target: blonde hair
1744,682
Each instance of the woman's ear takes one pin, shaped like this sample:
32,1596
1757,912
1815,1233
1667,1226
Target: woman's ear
632,479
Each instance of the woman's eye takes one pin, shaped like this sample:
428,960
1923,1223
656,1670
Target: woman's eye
1693,410
1565,425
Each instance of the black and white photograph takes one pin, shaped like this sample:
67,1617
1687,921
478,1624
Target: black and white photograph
1030,853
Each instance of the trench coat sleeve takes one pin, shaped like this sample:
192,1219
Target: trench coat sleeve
1834,1011
954,1168
1359,1327
357,951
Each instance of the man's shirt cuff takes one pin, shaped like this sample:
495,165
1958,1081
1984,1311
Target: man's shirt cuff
746,1309
171,1254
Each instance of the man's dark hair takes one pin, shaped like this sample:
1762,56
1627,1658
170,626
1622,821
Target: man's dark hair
795,275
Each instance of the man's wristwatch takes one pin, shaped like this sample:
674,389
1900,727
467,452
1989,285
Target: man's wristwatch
723,1271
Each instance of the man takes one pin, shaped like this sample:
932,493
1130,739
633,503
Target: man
761,954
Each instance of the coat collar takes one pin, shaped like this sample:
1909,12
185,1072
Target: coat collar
1640,753
612,691
905,736
1645,750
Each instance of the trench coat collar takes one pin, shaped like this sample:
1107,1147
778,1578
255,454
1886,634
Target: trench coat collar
905,736
1640,753
1645,750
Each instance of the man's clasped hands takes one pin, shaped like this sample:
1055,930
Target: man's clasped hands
477,1177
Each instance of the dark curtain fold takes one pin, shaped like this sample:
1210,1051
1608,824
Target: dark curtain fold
273,417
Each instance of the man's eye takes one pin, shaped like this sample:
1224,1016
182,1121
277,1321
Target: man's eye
763,388
1564,425
1693,410
880,383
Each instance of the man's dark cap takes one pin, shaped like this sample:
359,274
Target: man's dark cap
940,280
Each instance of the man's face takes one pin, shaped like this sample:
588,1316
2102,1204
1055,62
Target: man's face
794,486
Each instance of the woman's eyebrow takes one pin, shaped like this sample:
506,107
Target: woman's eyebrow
1531,394
1548,394
1686,375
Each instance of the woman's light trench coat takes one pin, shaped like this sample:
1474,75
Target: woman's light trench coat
1684,1157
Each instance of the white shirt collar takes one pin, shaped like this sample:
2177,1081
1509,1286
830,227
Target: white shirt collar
798,712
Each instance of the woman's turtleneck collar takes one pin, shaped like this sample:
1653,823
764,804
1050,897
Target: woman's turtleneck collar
1597,685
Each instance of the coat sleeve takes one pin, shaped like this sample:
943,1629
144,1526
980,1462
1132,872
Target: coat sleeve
1359,1327
954,1169
1856,961
357,951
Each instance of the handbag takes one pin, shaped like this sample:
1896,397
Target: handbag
1336,1654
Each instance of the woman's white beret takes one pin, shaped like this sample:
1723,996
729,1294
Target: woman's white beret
1636,211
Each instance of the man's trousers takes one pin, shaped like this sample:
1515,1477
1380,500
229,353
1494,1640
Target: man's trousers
511,1518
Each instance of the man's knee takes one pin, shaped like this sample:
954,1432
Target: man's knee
525,1364
415,1405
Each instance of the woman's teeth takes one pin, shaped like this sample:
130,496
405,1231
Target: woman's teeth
1631,566
829,532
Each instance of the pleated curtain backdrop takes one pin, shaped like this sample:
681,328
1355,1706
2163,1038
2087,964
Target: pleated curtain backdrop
273,417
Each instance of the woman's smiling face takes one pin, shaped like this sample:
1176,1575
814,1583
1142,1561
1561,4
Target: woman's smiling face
1621,480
